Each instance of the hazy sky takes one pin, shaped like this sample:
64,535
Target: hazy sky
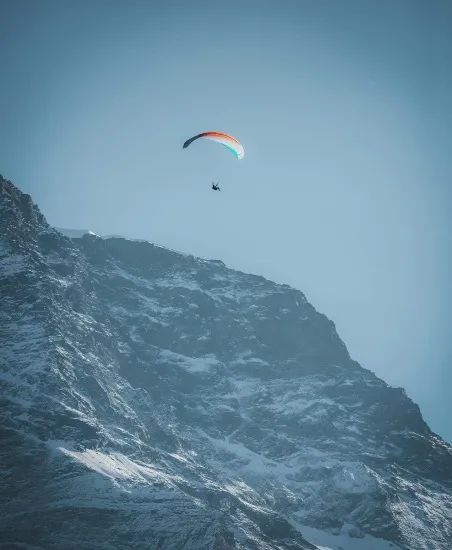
344,110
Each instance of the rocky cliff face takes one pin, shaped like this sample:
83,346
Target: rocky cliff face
154,400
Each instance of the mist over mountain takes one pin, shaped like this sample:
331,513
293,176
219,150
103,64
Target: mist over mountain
154,400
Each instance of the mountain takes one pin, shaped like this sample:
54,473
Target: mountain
155,400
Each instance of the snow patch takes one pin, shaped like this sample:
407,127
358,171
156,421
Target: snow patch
177,281
138,281
289,404
118,467
344,540
247,357
191,364
246,459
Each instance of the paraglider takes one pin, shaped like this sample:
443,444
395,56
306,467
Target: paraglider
228,141
225,139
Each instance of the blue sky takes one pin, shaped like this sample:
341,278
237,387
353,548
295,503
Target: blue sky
344,109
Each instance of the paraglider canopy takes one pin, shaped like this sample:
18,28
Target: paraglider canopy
225,139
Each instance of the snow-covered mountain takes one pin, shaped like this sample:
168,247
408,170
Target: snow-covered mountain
154,400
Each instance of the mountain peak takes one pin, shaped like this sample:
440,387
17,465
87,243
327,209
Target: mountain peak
12,197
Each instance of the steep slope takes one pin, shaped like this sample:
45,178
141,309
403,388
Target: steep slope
150,399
